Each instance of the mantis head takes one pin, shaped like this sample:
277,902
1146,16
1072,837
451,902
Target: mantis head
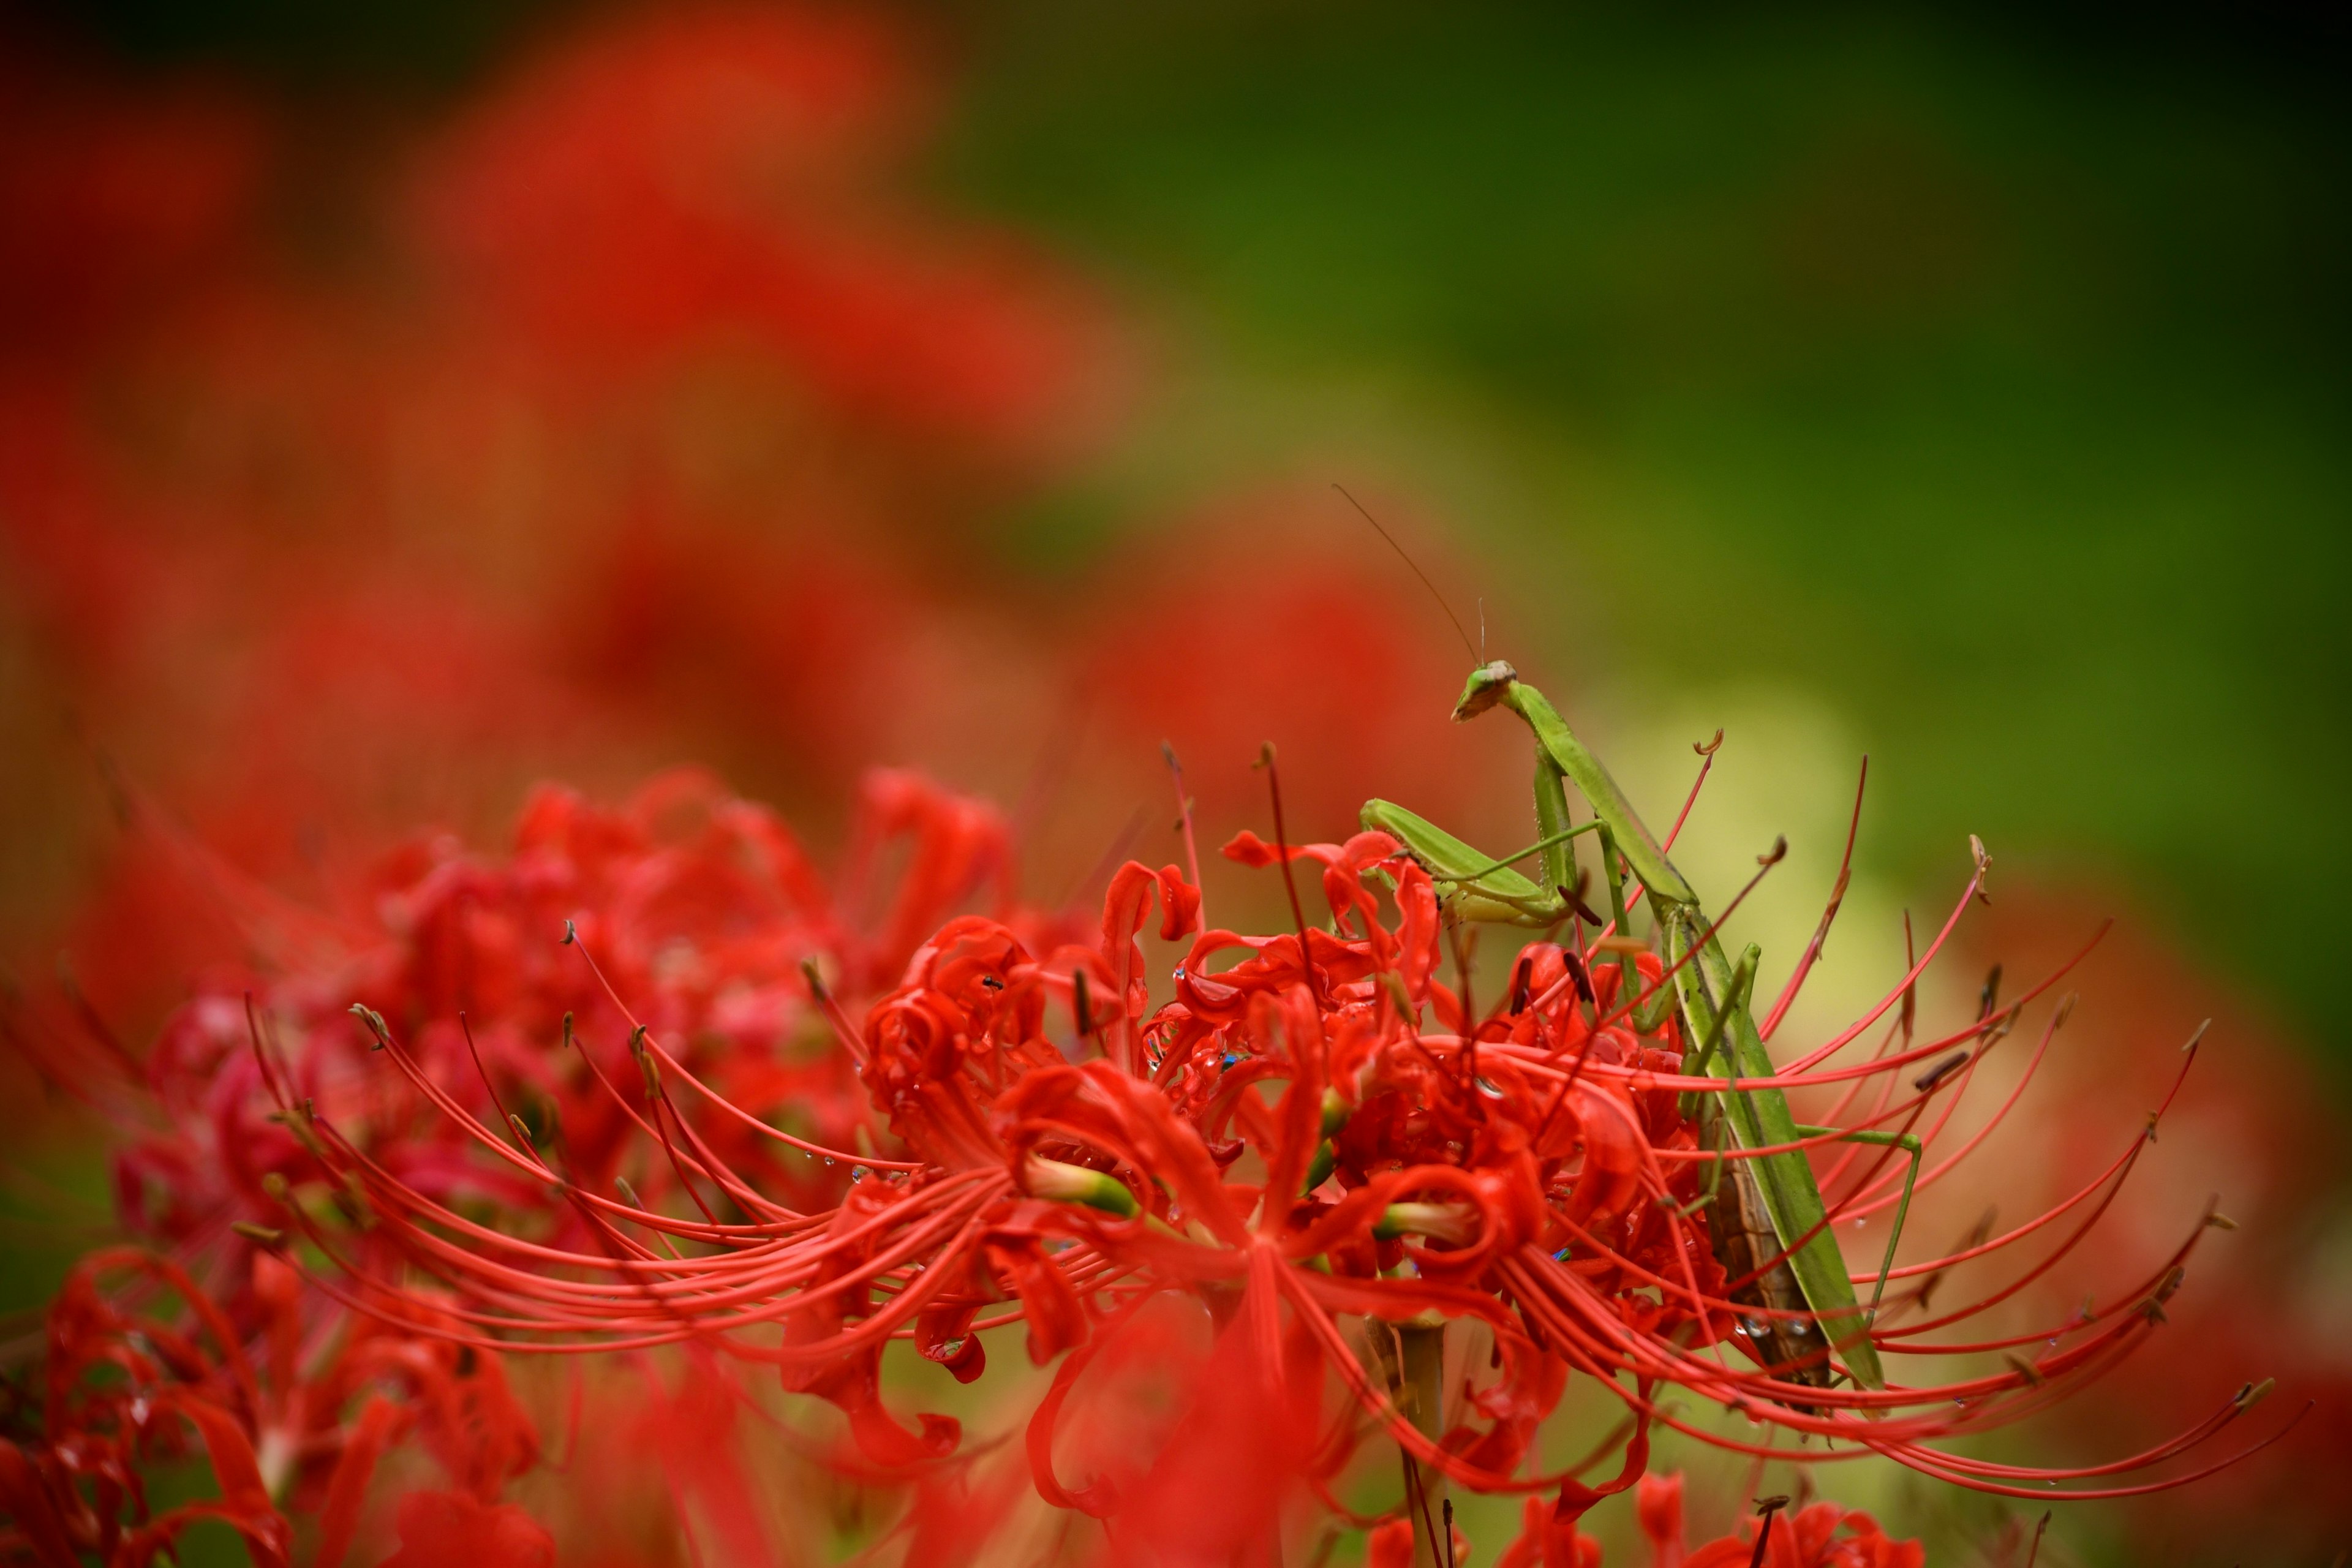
1486,687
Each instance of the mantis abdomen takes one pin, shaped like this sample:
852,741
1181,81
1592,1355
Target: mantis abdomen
1783,1330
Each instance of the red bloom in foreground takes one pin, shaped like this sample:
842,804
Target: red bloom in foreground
706,908
285,1398
1822,1535
438,1528
118,1392
1323,1143
1319,1147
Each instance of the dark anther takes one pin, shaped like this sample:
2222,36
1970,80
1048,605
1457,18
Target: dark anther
1576,971
1940,1071
1574,899
1769,1507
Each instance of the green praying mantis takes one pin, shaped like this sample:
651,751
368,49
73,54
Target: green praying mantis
1772,1224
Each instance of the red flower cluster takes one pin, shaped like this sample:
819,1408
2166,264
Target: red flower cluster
1822,1535
290,1403
709,912
782,1121
634,425
1317,1138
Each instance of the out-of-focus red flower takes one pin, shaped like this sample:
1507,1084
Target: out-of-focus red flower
704,909
1821,1535
686,177
289,1400
646,422
119,1390
441,1527
732,627
1279,616
2256,1135
110,199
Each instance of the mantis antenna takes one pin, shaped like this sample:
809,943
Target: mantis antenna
1426,582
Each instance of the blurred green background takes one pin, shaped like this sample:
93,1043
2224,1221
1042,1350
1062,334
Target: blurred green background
1983,371
1986,378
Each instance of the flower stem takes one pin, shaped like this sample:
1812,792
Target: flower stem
1419,1390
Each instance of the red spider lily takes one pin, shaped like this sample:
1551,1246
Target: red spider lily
706,907
1322,1133
330,1411
1822,1535
1301,603
312,553
284,1405
684,177
71,1470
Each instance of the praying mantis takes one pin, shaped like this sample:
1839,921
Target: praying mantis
1773,1224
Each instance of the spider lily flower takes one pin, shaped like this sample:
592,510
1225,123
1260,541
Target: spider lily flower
703,907
1820,1535
1331,1151
338,1392
455,1527
290,1410
119,1393
657,180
